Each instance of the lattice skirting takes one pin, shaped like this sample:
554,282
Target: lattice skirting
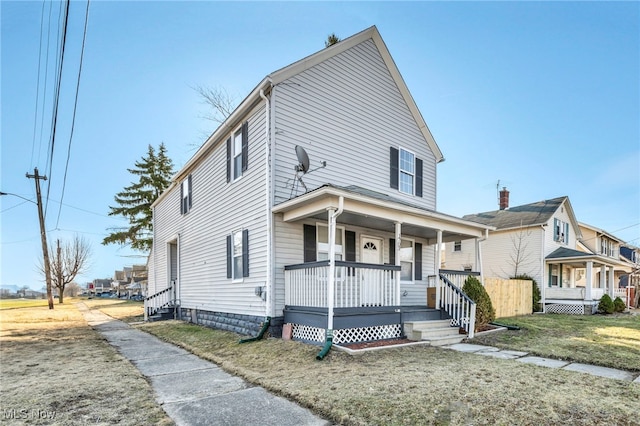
559,308
347,335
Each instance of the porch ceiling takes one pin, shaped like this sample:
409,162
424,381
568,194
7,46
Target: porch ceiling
378,211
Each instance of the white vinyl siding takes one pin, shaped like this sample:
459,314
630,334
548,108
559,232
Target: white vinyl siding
203,273
346,111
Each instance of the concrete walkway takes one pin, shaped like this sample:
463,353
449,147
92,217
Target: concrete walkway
193,391
594,370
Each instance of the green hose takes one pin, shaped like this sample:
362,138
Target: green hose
327,346
265,327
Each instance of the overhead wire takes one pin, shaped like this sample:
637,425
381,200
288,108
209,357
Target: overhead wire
35,114
75,106
56,103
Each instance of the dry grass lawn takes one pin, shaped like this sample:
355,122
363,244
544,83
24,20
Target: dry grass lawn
124,310
56,370
413,385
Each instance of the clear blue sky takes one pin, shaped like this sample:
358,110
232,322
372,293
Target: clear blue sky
542,96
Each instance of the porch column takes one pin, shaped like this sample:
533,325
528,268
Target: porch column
603,276
612,279
398,238
589,281
436,267
332,267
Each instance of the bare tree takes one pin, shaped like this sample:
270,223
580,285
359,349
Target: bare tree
520,258
221,102
72,289
70,259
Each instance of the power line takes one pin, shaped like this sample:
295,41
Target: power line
75,106
35,114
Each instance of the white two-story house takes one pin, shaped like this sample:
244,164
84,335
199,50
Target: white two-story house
312,205
544,241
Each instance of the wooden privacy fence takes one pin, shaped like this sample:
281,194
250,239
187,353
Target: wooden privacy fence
509,297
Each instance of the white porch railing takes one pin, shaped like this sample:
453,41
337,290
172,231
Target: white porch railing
162,299
356,284
457,304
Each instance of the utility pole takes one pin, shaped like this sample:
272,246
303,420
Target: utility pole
43,235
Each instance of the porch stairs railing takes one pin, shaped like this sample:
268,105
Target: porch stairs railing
162,300
458,305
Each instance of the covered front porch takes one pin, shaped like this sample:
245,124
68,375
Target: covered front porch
578,280
357,284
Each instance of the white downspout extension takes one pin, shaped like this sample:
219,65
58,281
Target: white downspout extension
398,245
333,215
436,267
270,299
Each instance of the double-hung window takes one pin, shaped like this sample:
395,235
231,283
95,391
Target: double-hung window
560,231
323,242
405,171
185,195
238,255
237,153
406,260
457,246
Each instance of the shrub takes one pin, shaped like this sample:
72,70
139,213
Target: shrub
606,305
618,305
484,308
535,292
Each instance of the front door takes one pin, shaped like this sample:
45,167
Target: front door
372,286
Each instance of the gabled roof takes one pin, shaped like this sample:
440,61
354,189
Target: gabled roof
264,87
601,232
533,214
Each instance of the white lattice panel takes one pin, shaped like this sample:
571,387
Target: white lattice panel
565,309
364,334
307,333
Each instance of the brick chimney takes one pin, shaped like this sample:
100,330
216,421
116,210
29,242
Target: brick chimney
504,198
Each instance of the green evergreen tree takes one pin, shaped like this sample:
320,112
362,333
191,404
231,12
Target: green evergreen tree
605,306
134,202
484,308
331,40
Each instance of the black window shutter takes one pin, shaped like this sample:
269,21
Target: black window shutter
418,177
392,251
229,256
418,261
309,243
229,160
393,168
181,198
350,246
245,252
245,146
190,192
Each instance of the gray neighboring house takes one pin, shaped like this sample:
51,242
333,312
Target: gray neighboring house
247,235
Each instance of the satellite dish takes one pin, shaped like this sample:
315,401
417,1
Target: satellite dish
303,160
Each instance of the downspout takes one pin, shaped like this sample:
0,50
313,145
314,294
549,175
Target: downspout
542,275
265,327
480,264
333,215
270,299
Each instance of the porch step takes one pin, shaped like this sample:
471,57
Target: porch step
437,333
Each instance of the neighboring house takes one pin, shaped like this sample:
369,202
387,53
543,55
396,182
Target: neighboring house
99,286
131,280
545,241
246,233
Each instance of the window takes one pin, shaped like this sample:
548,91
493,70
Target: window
237,153
457,246
323,242
406,260
185,195
405,171
238,255
560,231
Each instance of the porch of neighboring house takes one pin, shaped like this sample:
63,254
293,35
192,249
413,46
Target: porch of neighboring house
577,281
343,302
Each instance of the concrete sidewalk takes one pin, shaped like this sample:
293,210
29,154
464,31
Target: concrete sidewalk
594,370
193,391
